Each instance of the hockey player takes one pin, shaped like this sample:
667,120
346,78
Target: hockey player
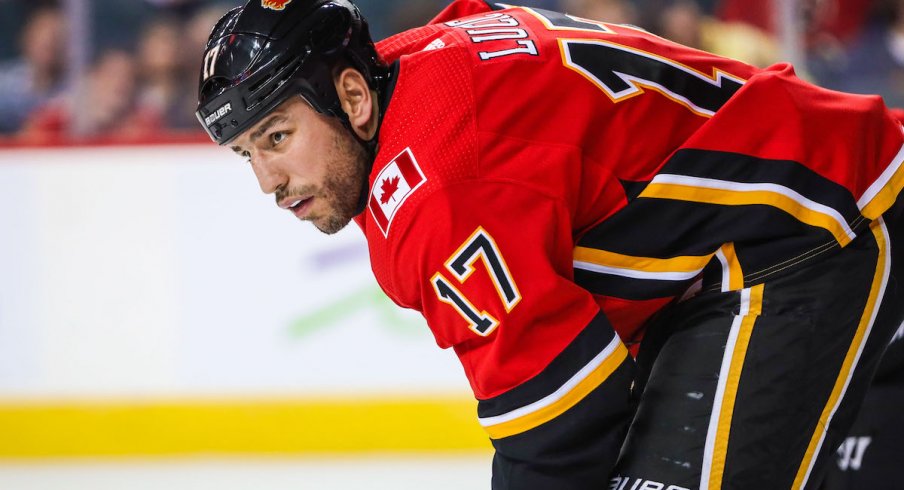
546,189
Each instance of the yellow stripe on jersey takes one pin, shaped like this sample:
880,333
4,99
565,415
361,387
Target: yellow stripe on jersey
732,274
885,190
570,394
671,269
877,292
726,193
716,447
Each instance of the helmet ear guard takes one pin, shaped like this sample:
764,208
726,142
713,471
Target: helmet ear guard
257,58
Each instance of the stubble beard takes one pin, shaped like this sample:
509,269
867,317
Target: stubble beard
344,183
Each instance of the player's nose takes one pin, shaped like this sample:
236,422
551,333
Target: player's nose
268,173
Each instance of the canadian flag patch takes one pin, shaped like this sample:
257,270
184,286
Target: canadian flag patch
395,183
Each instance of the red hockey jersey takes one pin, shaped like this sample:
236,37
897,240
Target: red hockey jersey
536,169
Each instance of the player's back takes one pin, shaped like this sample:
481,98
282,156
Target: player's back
620,96
672,164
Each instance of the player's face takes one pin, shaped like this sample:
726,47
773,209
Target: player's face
309,162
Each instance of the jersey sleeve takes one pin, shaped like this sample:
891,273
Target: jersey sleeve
489,263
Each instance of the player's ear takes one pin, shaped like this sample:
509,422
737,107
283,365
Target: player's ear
358,102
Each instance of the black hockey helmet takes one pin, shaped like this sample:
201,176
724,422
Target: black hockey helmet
261,54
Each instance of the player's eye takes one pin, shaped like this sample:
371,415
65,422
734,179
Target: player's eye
246,156
277,137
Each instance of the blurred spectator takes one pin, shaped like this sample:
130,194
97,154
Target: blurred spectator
612,11
874,62
107,109
163,85
684,22
38,75
840,19
111,94
681,22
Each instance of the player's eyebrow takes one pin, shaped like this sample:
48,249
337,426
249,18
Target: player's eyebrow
267,124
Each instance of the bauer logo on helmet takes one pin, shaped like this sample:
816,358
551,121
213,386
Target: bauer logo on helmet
218,114
275,4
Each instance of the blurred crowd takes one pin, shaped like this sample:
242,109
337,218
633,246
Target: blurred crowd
140,78
138,83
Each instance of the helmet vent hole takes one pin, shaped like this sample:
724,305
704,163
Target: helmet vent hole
257,86
282,66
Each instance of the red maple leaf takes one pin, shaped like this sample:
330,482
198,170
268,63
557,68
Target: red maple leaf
389,187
